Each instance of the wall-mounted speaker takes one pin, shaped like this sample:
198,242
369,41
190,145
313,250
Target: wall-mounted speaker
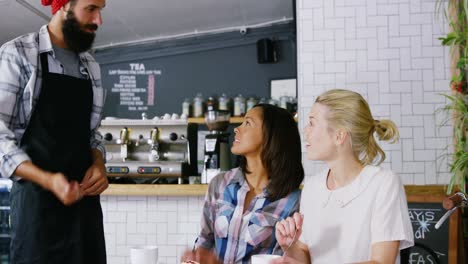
266,51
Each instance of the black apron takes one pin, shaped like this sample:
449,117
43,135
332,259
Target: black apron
57,139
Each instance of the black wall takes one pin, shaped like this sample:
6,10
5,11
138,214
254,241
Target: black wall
214,64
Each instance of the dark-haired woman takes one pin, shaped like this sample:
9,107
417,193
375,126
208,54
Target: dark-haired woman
242,205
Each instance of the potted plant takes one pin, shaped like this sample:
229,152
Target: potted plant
459,167
457,39
456,15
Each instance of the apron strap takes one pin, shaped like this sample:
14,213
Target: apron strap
44,64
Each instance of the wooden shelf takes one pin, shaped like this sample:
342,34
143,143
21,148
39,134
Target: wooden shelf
157,189
201,120
415,193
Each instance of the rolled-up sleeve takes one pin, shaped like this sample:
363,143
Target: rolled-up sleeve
12,83
99,97
96,143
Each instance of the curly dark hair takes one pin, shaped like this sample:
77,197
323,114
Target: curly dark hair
281,152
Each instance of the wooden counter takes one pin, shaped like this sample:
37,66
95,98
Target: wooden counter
416,193
157,189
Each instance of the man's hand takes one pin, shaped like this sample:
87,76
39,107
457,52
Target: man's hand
95,180
67,192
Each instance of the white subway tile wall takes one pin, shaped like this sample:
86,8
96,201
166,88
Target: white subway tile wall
171,223
388,51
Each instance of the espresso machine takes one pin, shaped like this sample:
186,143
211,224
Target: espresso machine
217,150
148,150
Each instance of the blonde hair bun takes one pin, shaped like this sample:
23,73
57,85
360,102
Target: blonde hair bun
387,130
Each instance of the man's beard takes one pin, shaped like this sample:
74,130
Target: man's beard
74,35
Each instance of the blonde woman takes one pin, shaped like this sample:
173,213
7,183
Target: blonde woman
353,212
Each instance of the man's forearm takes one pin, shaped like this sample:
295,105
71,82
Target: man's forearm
97,157
67,192
28,171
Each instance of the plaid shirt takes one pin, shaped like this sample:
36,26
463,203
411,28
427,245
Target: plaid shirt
20,85
237,235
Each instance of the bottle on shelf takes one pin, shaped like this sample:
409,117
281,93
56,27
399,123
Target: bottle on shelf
198,110
251,102
239,105
223,102
186,108
210,104
272,101
284,100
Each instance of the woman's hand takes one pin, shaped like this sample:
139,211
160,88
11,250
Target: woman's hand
289,230
200,255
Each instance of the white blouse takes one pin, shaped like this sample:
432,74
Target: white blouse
341,225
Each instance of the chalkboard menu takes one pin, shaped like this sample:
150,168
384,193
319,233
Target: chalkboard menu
132,88
430,243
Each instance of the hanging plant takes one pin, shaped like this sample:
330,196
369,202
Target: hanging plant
457,40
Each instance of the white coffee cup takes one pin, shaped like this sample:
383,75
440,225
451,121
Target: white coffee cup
144,255
263,258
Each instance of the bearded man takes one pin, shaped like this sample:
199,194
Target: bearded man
51,101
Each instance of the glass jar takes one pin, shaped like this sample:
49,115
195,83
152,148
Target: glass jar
223,102
251,103
272,101
186,107
198,106
239,105
284,100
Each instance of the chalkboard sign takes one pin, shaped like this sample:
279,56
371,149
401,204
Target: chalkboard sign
430,242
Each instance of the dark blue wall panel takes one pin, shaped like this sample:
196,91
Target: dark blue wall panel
212,65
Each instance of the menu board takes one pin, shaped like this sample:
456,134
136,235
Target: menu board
133,88
156,80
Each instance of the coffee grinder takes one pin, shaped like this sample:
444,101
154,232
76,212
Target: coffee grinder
217,151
